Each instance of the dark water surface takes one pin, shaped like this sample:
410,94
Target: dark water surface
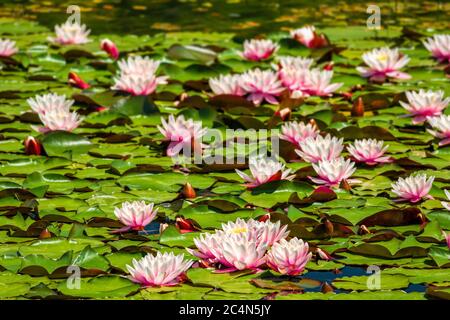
251,16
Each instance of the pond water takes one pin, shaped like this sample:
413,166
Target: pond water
243,16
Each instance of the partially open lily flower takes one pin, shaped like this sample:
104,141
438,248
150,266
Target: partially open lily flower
164,269
48,102
289,257
261,85
384,63
441,128
257,50
110,48
240,252
319,148
308,37
138,84
423,105
439,46
58,120
413,188
70,33
7,48
228,84
287,62
138,65
332,172
264,170
182,134
318,83
136,215
445,204
76,81
296,132
369,151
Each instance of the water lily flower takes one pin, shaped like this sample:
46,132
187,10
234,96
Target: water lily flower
370,151
32,146
294,79
332,172
228,84
76,81
138,84
7,48
264,170
261,85
296,132
265,232
240,252
70,33
439,46
308,37
164,269
413,188
423,105
135,215
289,257
384,63
319,148
257,50
207,247
48,102
58,120
181,133
441,126
445,204
287,62
138,65
317,83
110,48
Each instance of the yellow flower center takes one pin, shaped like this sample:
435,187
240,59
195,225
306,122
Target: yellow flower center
239,230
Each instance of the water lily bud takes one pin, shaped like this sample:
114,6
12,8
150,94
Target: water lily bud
363,230
189,191
358,108
313,123
284,113
76,81
110,48
264,218
32,146
326,288
329,226
323,254
329,66
45,234
184,225
162,227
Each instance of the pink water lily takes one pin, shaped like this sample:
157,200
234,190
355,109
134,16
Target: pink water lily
308,37
49,102
332,172
110,48
289,257
384,63
228,84
257,50
164,269
369,151
138,65
288,62
70,33
264,170
318,83
439,46
181,133
261,85
441,128
7,48
423,105
265,232
136,215
207,246
239,251
294,79
138,84
58,120
296,132
445,204
319,148
413,188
